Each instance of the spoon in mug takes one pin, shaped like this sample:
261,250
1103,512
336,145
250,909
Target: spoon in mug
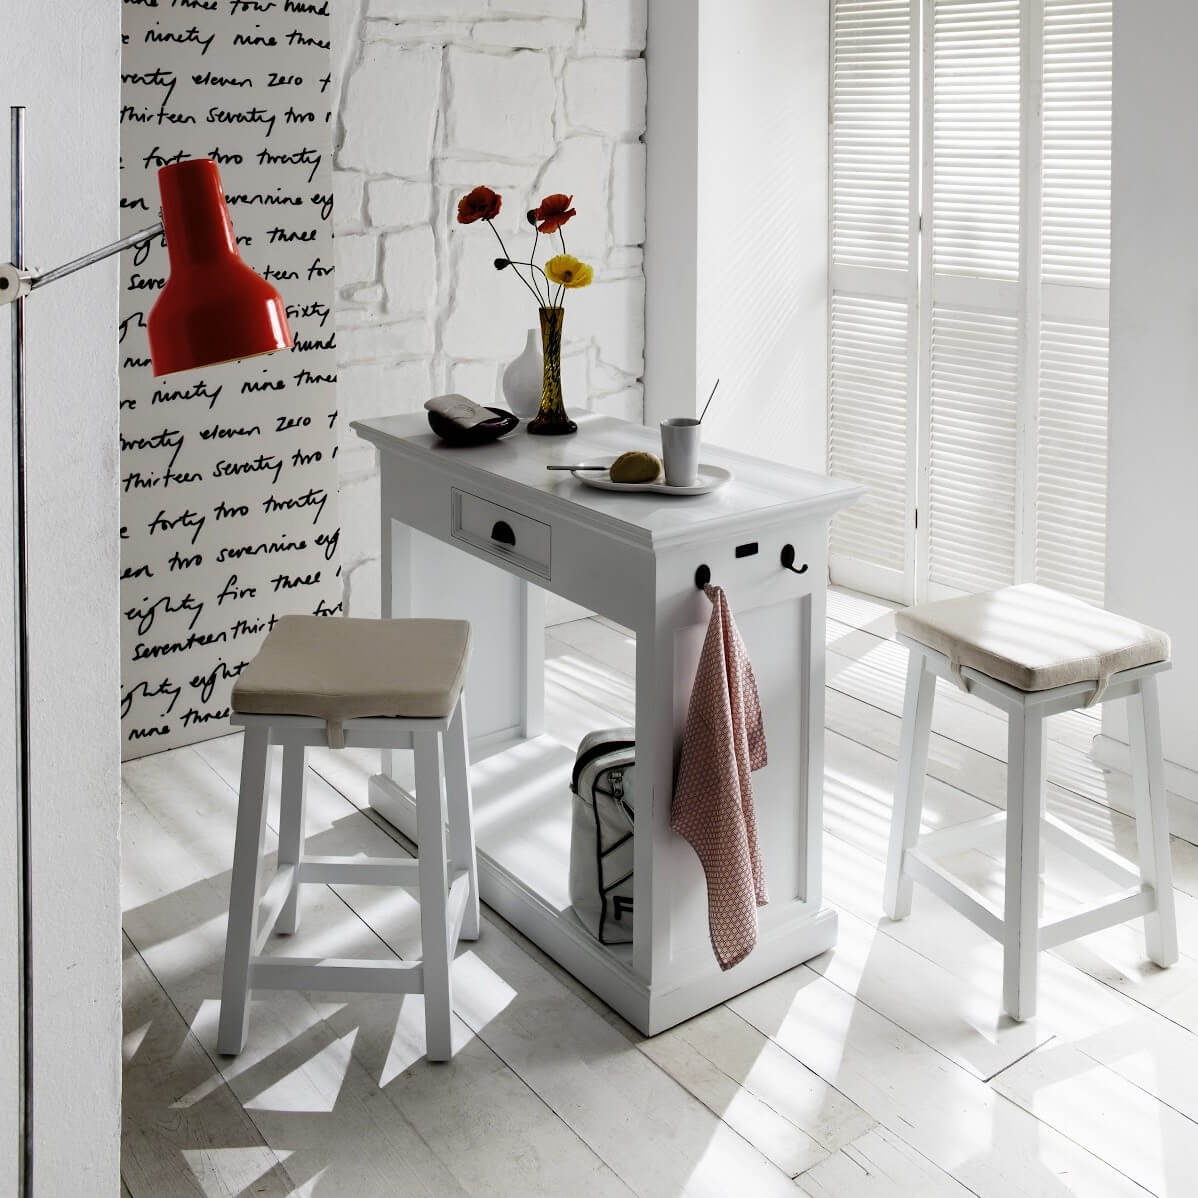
581,467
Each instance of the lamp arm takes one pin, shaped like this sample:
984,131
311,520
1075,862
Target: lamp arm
15,283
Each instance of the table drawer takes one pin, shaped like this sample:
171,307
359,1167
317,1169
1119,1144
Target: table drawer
501,532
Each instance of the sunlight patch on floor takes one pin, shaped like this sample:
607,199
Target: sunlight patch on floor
131,1041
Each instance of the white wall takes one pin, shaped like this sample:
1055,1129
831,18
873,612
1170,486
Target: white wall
763,226
62,61
736,256
1152,566
528,97
672,211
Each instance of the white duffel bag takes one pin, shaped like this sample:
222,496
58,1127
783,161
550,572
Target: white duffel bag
601,834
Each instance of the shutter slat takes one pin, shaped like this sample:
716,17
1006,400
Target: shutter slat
1076,238
871,336
867,425
871,133
973,356
975,138
1071,493
972,391
1071,466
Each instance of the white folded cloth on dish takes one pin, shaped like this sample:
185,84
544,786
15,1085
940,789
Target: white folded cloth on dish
462,411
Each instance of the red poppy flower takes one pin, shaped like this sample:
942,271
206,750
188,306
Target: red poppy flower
554,211
480,204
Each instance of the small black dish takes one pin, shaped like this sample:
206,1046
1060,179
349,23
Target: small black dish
480,434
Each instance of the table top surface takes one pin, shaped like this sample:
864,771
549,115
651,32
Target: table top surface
514,467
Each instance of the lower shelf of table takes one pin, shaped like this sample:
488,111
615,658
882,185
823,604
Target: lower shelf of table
522,825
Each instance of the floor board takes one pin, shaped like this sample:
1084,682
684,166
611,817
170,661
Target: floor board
338,1087
1096,1107
880,1164
990,1144
791,1114
882,1068
533,1024
172,1146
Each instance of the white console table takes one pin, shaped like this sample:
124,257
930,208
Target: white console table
479,534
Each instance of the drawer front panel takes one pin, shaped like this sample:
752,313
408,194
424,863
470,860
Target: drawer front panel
501,532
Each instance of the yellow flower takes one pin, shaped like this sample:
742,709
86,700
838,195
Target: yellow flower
569,271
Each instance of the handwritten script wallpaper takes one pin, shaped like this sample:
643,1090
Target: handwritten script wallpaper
228,477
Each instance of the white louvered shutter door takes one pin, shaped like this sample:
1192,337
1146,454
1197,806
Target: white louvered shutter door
971,352
873,310
974,388
1070,514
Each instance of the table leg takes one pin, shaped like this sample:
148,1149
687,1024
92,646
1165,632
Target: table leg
423,577
532,603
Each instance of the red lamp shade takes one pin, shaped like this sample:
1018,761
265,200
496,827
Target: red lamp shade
213,308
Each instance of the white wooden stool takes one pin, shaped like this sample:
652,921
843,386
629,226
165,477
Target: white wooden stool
1033,652
389,684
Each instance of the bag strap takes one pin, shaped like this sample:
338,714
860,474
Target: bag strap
601,749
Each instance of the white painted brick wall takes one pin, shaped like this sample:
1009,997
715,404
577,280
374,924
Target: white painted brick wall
434,97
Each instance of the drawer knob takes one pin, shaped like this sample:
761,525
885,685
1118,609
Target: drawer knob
788,560
502,532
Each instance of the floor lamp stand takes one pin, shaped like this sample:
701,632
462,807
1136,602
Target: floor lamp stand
20,659
16,282
214,309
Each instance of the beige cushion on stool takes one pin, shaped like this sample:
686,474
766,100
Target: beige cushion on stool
339,669
1033,638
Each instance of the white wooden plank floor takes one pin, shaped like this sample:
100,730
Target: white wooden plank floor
881,1068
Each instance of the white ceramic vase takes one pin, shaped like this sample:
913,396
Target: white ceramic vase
523,377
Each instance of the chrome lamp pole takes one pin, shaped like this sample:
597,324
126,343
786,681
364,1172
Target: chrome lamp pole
213,309
16,282
20,660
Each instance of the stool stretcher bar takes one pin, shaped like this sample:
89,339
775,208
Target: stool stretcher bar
1145,889
444,876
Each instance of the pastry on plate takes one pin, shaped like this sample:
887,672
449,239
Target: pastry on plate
635,466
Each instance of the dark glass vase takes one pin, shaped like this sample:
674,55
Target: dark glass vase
551,419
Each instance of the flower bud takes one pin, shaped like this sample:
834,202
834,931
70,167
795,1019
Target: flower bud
500,263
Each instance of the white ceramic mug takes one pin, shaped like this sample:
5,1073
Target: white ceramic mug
680,450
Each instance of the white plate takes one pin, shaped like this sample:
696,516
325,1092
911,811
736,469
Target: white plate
710,478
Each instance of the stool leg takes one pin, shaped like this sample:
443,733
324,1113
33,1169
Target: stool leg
1021,914
461,814
244,893
291,830
433,873
1152,820
908,795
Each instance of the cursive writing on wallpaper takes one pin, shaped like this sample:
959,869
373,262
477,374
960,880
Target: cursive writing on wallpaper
228,477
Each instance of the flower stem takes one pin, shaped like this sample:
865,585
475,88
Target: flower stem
561,291
534,266
532,262
533,291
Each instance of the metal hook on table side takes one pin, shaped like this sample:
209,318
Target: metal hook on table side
787,559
